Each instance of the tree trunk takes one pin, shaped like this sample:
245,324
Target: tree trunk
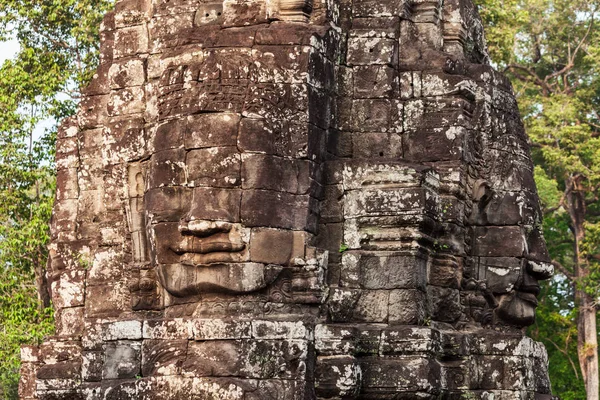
587,344
587,337
41,283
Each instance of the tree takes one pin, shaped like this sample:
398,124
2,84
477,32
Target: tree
58,54
549,48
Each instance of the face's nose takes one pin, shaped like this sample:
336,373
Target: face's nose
203,228
540,270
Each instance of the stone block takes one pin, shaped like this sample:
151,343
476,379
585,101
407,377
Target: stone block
120,330
377,145
107,265
122,360
282,64
163,357
214,204
171,203
92,111
433,145
219,329
115,299
331,207
335,339
126,102
274,173
498,241
27,386
167,168
372,51
265,208
247,359
387,27
127,73
407,307
371,115
91,366
69,289
285,330
406,340
214,167
371,306
131,41
374,81
444,304
275,246
66,184
445,271
339,143
373,8
168,329
212,130
169,135
337,376
384,271
500,273
69,321
401,374
341,304
61,370
29,354
279,389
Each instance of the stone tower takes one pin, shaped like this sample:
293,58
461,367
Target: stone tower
293,199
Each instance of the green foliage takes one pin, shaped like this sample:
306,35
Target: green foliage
23,322
58,54
556,327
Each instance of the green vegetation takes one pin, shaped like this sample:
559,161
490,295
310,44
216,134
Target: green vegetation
58,53
550,50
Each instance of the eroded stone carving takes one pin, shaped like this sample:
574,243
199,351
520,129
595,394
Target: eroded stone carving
293,200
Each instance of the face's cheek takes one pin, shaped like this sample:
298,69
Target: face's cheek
276,246
165,207
501,274
166,237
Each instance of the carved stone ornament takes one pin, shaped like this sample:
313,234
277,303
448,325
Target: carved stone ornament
265,199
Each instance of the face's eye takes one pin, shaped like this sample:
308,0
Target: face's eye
167,204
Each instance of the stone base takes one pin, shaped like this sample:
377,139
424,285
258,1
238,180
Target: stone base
265,359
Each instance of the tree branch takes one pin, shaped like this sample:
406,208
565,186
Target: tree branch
563,270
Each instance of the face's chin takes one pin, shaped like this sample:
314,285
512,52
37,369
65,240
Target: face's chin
182,280
517,308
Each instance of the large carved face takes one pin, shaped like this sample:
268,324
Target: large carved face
507,240
229,202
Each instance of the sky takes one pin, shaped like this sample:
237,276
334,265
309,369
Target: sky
8,50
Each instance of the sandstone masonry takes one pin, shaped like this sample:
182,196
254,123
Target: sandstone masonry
293,199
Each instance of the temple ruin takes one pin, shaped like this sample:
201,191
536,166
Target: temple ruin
293,199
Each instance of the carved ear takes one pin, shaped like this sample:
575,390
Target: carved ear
482,192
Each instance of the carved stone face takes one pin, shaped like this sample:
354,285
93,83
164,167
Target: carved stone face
225,215
512,253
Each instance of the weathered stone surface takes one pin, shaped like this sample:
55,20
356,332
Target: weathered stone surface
293,200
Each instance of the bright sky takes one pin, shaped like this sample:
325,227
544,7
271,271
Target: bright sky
8,50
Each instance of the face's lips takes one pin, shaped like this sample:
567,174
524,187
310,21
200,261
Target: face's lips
221,242
528,297
533,289
208,246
